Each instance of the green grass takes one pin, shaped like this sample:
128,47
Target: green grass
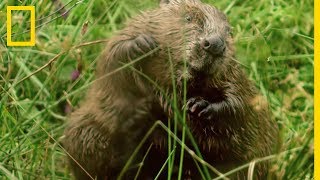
274,41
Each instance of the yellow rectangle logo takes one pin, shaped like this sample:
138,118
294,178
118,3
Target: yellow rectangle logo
32,41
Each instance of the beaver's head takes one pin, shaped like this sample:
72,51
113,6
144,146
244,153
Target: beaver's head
194,44
191,33
204,33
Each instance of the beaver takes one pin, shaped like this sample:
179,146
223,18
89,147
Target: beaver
185,49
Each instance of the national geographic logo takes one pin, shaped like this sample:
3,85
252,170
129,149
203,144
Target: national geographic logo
32,26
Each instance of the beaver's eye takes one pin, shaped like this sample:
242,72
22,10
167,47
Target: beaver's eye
188,18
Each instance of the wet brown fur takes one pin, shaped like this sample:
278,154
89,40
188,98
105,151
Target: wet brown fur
119,108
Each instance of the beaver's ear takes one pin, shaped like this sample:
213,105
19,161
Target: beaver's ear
163,2
194,1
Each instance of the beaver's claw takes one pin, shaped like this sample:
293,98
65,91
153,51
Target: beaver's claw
197,107
141,45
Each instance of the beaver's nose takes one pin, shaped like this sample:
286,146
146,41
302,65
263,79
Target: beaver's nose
214,45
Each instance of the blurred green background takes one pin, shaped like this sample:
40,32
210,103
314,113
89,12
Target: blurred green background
274,42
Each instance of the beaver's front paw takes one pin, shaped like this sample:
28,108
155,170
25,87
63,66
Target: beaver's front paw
197,107
141,45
